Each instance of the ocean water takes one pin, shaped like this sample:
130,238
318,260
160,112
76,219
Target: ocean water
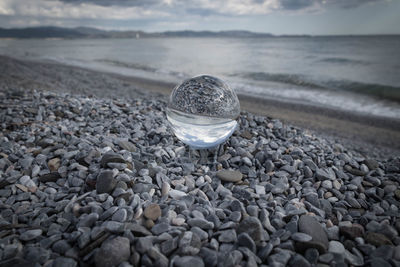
357,74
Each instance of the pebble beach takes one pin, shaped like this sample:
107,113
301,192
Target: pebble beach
89,180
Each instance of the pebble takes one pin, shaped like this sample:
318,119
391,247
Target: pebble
309,225
54,164
336,247
377,239
227,236
246,241
176,194
299,260
160,228
301,237
189,261
127,146
113,252
352,231
230,176
64,262
201,223
111,158
111,185
105,182
253,227
153,212
120,215
30,234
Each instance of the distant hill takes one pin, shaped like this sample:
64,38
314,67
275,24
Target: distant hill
87,32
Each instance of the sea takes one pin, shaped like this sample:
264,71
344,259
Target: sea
359,74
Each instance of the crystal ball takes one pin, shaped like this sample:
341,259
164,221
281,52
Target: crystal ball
202,111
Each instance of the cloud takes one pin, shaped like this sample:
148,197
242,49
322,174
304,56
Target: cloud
140,12
79,10
297,4
348,3
124,3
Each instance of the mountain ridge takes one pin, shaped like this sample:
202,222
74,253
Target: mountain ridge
88,32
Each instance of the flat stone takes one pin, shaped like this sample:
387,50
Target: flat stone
230,176
246,241
30,234
377,239
152,212
379,262
137,229
160,228
353,259
50,177
114,227
64,262
191,261
127,146
201,223
228,236
176,194
142,187
253,227
301,237
120,215
111,158
371,164
299,260
326,258
209,256
310,226
312,255
336,247
112,252
325,174
61,246
385,252
200,233
281,258
105,182
89,220
143,244
168,246
352,232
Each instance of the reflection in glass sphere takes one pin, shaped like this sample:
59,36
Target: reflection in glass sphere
203,111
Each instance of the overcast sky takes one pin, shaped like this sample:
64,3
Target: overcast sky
273,16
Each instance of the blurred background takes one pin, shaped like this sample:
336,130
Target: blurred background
337,54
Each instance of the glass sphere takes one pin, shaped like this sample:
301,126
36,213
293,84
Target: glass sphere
202,111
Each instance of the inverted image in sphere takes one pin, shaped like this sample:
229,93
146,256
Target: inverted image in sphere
203,111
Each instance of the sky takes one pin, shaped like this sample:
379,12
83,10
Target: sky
327,17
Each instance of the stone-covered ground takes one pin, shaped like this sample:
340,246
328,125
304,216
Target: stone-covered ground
87,181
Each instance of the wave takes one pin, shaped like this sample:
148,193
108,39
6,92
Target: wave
343,100
293,79
376,90
142,67
127,65
340,60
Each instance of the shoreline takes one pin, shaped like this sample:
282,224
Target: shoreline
362,132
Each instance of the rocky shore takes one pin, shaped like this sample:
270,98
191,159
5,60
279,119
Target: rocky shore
88,181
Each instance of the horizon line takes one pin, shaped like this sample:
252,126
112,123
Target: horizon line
198,31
